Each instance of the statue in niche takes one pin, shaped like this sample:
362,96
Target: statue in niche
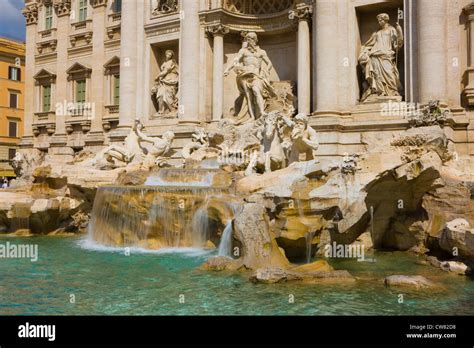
378,59
165,90
165,6
253,68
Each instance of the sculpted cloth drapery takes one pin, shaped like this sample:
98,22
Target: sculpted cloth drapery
377,59
252,80
166,87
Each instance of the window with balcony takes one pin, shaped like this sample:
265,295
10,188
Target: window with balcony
80,89
14,73
112,76
117,6
48,17
44,81
82,10
46,98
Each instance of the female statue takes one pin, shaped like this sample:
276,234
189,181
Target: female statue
378,60
166,86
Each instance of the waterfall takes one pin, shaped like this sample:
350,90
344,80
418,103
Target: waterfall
200,227
225,246
309,239
183,208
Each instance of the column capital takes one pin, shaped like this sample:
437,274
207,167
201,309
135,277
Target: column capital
469,11
301,13
217,29
62,7
30,13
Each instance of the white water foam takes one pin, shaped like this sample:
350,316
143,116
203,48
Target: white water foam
89,244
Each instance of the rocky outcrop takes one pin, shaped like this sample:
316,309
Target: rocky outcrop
458,238
252,229
274,275
417,282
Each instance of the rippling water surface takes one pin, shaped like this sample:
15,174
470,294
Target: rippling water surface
106,281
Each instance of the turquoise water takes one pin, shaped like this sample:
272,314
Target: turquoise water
106,281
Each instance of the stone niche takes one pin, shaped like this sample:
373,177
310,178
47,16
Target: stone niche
282,49
157,58
367,25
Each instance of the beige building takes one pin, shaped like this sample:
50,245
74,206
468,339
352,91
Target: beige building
92,66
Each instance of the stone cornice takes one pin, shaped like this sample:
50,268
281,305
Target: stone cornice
271,24
62,7
217,29
30,13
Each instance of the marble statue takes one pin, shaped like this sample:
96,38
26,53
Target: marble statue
165,89
159,146
253,68
304,139
378,59
165,6
200,139
116,155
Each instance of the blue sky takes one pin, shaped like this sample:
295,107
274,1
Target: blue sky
12,22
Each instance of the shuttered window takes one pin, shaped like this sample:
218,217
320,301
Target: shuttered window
46,98
80,91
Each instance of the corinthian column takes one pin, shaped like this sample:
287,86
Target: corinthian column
432,60
128,64
218,31
189,61
302,14
31,15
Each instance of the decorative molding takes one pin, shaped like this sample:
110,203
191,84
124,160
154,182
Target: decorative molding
62,7
258,7
217,29
301,13
30,13
165,7
98,3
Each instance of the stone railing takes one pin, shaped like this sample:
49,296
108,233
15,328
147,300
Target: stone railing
258,7
112,109
45,117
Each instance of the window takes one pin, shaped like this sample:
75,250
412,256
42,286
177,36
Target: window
116,96
80,91
46,98
14,73
12,129
14,100
118,6
48,17
82,10
11,154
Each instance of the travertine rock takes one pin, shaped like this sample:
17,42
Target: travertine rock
409,281
458,234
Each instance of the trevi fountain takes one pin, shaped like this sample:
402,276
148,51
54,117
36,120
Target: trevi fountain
263,205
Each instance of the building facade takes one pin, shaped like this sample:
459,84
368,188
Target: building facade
12,99
94,66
